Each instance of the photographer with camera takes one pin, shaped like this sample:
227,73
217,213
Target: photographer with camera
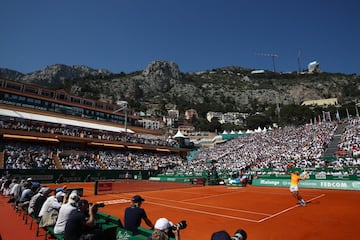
240,234
65,211
164,230
134,214
81,223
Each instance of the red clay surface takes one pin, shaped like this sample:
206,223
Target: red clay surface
263,212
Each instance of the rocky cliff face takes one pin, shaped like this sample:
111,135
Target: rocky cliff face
224,89
160,76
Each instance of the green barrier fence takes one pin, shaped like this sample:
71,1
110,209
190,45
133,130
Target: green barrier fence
322,184
180,179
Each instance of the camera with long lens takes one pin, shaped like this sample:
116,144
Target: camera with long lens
96,206
99,205
240,234
180,225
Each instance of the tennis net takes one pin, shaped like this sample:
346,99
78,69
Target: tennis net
124,186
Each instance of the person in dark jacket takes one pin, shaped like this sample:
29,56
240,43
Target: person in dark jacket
81,223
134,214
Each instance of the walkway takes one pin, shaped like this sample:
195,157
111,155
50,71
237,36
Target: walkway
333,145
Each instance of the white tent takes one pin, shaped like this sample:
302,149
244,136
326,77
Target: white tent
179,134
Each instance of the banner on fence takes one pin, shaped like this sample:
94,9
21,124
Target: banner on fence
324,184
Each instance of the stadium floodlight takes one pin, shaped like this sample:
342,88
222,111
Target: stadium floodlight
123,107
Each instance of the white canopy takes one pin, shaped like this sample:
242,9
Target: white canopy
179,134
58,120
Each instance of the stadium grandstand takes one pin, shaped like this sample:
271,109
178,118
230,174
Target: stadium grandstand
73,132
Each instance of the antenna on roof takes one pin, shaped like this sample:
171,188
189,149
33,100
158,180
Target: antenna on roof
272,55
298,61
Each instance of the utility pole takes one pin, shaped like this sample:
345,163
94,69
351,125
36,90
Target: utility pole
272,55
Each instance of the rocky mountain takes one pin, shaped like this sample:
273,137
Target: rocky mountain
54,75
11,74
224,89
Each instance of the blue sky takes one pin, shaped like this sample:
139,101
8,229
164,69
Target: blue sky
198,35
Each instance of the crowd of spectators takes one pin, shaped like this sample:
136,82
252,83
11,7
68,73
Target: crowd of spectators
28,156
138,160
298,147
82,160
350,140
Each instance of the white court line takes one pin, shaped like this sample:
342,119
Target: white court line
210,206
116,201
223,215
286,210
204,212
210,196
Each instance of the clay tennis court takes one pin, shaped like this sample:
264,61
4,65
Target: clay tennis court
263,212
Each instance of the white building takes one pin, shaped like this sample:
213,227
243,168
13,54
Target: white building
236,118
150,124
314,67
172,116
211,115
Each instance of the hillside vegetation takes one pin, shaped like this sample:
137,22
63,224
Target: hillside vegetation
227,89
